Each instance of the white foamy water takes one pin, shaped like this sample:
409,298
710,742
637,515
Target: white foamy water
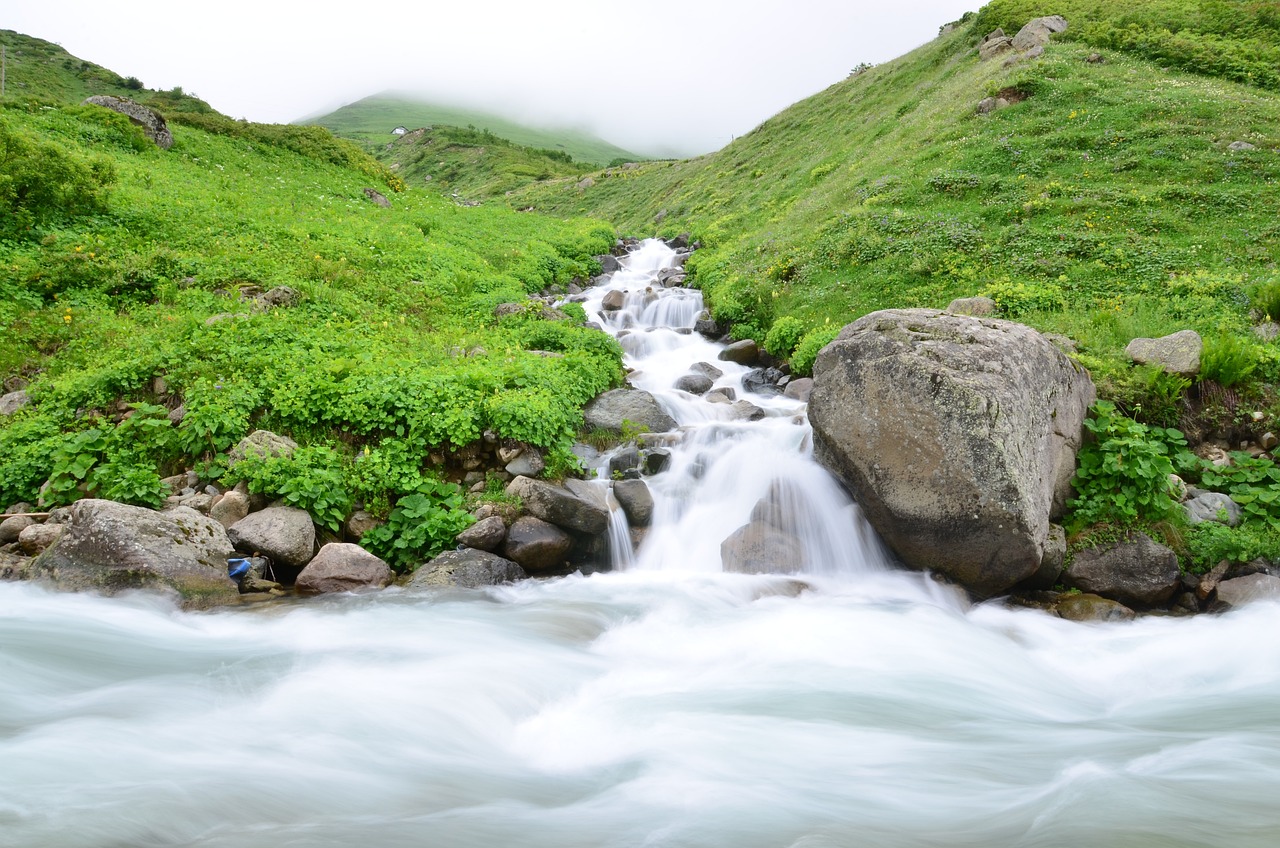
669,704
644,708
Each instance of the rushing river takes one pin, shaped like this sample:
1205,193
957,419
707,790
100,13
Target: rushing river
665,704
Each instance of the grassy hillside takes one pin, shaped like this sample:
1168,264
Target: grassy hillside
1105,203
127,284
41,70
475,164
373,118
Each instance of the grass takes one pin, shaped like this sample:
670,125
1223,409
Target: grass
391,358
476,164
372,119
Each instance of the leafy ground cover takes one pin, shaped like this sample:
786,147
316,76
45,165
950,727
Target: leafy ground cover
127,284
1106,202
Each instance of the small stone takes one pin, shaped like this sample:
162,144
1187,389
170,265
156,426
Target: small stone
485,535
1268,441
1238,146
745,352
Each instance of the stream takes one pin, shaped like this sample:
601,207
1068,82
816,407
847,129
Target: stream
665,703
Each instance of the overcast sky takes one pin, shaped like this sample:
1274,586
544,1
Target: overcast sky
658,75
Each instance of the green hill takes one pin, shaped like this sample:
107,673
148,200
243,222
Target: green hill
131,295
474,164
1117,195
372,119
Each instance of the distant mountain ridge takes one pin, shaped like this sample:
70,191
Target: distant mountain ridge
373,118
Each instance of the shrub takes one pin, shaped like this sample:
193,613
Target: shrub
311,478
807,350
783,336
41,182
1266,299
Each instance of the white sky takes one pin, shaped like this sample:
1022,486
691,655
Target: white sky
680,76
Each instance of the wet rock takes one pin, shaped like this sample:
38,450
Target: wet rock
1253,587
656,461
536,545
745,410
636,501
800,389
610,410
343,567
1053,560
707,370
283,533
1136,571
956,435
263,443
608,263
708,327
152,123
1088,607
613,301
1213,506
466,569
110,547
1178,353
759,548
694,384
762,381
624,460
745,352
486,534
34,539
558,506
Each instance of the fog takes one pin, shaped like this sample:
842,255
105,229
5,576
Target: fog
658,77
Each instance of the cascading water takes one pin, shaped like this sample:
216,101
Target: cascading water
666,705
724,464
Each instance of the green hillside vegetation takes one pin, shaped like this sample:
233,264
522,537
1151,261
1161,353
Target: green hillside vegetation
127,277
372,119
1103,204
476,164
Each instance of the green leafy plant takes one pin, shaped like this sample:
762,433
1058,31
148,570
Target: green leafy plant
1227,360
1122,476
783,336
115,462
311,478
1253,483
421,526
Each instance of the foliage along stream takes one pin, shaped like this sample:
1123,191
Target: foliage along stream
665,703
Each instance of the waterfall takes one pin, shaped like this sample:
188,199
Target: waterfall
724,469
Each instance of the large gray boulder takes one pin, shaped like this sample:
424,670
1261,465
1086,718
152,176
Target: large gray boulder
283,533
957,435
610,410
636,501
467,569
343,567
1178,353
1136,571
485,535
1036,32
152,122
559,506
1252,587
109,547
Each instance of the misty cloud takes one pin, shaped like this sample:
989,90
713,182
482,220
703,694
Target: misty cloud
665,76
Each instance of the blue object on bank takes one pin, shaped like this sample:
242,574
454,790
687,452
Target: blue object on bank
237,568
